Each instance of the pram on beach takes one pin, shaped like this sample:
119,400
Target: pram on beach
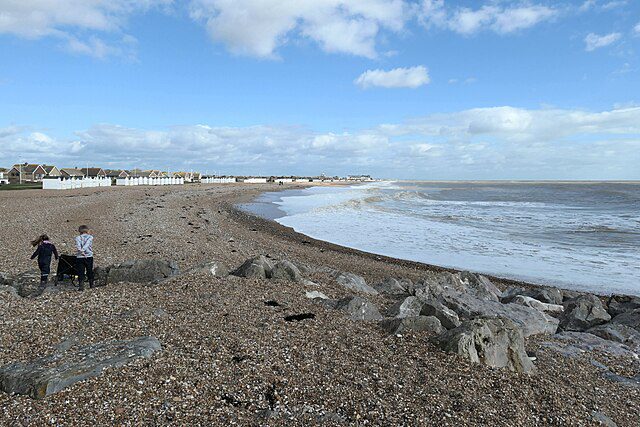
66,269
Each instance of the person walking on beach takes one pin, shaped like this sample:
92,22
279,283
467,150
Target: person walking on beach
44,251
84,256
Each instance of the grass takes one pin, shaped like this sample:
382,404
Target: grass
27,186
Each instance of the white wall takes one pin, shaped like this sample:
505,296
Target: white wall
217,180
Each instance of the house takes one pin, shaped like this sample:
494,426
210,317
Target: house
4,176
29,172
72,173
116,173
94,172
188,176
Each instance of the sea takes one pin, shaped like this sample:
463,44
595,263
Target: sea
574,235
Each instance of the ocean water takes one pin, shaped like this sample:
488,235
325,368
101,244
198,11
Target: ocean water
574,235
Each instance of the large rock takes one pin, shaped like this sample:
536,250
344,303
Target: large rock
408,307
546,295
583,313
619,304
315,294
355,283
413,324
358,308
529,319
447,317
286,270
575,344
142,271
8,293
258,268
435,284
538,305
50,374
214,268
392,287
619,333
629,318
496,342
6,279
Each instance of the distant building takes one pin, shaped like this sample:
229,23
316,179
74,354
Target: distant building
359,178
94,172
116,173
72,173
29,172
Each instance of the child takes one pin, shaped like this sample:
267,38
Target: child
44,251
84,256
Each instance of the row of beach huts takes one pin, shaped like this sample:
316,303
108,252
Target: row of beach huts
53,177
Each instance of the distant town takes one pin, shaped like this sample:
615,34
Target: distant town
34,173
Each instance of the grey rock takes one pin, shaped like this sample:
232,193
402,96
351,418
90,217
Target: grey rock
408,307
258,268
214,268
8,293
447,317
286,270
358,308
602,419
392,287
142,271
6,279
574,344
546,295
529,319
629,318
496,342
355,283
50,374
611,376
619,333
480,286
582,313
316,294
619,304
413,324
538,305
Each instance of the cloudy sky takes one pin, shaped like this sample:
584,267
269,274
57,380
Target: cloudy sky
426,89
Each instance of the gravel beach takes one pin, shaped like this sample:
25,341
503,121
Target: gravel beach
230,359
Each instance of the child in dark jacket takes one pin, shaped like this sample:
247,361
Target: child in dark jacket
45,249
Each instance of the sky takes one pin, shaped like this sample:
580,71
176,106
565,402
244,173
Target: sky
402,89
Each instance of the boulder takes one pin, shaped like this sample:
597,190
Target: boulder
392,287
619,304
50,374
408,307
538,305
629,318
546,295
583,313
142,271
214,268
8,293
480,286
447,317
355,283
434,284
494,342
315,294
529,319
258,268
413,324
619,333
5,279
575,344
358,308
286,270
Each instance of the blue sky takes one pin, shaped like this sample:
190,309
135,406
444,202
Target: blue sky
422,89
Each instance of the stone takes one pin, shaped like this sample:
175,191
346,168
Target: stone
6,279
494,342
447,317
619,333
574,344
546,295
602,419
8,293
412,324
583,313
358,308
480,286
50,374
408,307
355,283
629,318
286,270
529,319
214,268
258,268
142,271
392,287
538,305
315,294
619,304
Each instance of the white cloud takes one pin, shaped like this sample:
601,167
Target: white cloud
477,143
636,29
594,41
260,27
412,77
71,19
493,16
